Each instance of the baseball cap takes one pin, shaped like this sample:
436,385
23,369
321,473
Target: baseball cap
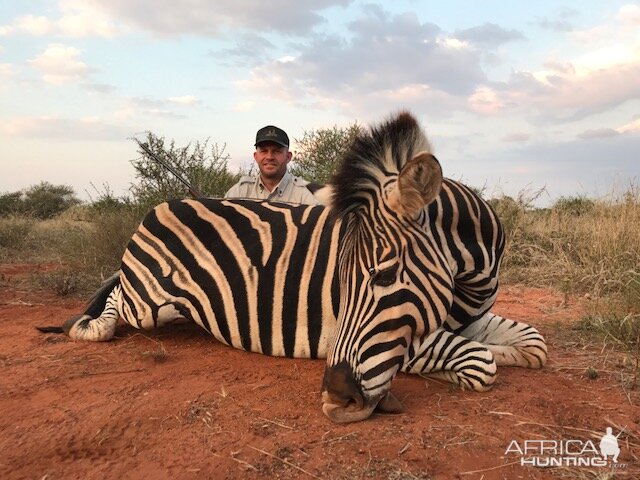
272,134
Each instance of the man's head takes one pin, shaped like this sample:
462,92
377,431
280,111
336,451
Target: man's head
272,153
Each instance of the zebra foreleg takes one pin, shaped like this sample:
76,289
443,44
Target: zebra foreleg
455,359
514,344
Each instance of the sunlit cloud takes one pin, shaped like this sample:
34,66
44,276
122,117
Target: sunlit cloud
76,19
486,101
60,64
629,15
631,127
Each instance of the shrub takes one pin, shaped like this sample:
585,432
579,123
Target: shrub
10,203
319,152
46,200
575,206
207,173
14,232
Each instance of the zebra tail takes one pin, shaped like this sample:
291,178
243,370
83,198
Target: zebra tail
94,309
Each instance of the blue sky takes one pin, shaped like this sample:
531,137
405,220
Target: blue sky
513,95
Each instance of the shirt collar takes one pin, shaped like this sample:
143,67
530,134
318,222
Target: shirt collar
281,187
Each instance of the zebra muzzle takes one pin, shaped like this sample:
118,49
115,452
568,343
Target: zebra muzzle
344,402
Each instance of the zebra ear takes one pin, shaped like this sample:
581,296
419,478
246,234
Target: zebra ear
418,185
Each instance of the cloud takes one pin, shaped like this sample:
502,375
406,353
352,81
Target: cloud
49,127
154,107
77,19
34,25
486,101
60,64
203,17
631,127
517,137
598,80
588,90
250,49
598,133
560,23
489,34
629,15
382,56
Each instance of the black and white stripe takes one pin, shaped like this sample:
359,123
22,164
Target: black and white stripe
419,272
398,273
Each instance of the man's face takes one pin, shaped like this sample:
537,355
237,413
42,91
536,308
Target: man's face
272,159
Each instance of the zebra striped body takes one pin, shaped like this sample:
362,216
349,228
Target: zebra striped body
256,275
389,277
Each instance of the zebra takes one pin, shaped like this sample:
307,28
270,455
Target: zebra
397,273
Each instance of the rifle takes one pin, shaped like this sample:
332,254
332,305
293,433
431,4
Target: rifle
195,193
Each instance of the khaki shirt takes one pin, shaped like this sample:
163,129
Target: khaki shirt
290,189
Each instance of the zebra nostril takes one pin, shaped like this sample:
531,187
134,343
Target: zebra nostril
339,387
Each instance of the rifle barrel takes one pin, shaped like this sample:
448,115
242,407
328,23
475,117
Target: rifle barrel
192,190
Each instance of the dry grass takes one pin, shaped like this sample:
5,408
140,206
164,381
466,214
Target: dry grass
81,247
581,247
590,249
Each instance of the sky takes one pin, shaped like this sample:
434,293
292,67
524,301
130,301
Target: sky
514,96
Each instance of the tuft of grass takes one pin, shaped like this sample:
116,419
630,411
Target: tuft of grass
592,373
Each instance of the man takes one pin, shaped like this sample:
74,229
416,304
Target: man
274,182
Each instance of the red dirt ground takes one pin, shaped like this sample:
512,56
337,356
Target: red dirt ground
176,404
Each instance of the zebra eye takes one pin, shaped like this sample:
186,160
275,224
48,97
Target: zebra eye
385,277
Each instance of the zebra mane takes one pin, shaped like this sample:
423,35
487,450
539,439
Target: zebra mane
373,157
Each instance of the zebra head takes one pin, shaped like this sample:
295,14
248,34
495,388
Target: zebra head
395,284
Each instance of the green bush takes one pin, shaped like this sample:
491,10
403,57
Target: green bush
41,201
208,173
319,152
10,203
46,200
